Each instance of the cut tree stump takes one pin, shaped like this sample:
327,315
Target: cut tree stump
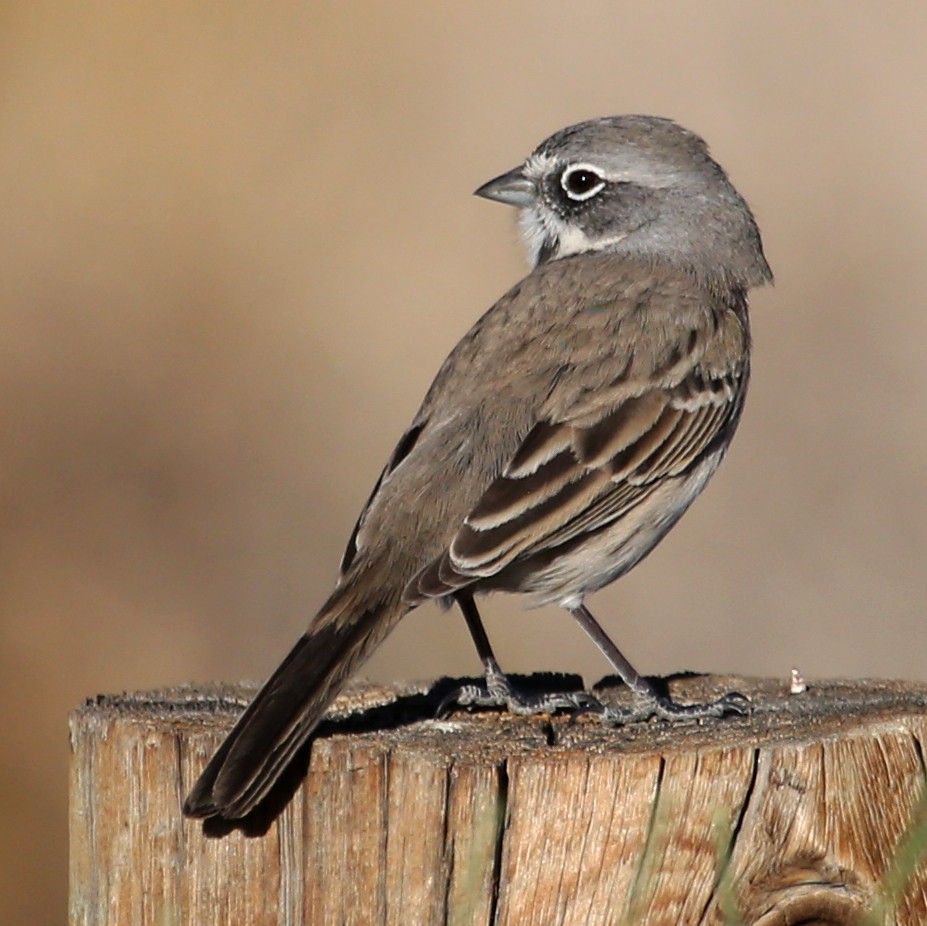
792,815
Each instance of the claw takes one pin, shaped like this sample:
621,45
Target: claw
465,696
499,692
667,709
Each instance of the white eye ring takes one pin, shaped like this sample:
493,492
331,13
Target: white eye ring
588,181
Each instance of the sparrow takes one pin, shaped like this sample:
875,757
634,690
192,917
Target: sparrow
565,434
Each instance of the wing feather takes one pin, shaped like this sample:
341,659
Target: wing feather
568,479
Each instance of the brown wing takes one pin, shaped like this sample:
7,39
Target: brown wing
403,449
576,475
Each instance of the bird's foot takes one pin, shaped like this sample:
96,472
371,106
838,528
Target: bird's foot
498,691
663,707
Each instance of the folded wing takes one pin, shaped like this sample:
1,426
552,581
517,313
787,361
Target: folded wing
578,474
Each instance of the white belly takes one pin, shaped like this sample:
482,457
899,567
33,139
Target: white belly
611,553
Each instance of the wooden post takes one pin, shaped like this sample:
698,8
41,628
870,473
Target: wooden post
793,815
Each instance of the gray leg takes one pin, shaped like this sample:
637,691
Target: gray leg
498,691
650,701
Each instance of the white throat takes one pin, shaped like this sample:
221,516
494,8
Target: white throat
543,230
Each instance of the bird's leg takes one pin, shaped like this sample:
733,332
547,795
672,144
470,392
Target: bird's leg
498,691
650,701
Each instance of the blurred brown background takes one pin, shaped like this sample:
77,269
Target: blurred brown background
237,241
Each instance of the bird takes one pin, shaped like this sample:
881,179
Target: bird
564,435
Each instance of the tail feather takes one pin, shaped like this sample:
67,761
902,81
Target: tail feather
287,709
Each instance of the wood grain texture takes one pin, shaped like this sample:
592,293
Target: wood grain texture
793,815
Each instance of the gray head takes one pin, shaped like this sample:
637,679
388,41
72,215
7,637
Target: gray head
637,185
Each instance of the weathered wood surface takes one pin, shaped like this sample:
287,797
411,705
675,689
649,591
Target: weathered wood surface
792,815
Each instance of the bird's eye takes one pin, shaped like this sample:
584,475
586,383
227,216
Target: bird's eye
581,182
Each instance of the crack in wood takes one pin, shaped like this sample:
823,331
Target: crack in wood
502,810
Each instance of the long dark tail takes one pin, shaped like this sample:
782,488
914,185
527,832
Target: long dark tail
285,711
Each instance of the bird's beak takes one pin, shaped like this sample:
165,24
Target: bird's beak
513,189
